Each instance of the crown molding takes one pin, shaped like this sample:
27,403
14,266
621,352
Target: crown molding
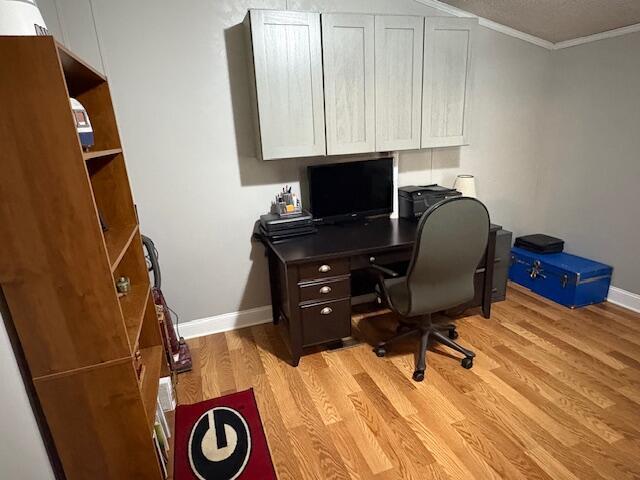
512,32
598,36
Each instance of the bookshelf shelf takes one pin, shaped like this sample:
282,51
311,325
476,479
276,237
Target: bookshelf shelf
133,306
82,371
118,240
100,154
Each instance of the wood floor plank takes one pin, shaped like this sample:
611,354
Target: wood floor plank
550,465
369,415
280,445
529,433
383,380
311,376
528,408
290,414
450,463
339,370
554,394
474,461
223,373
508,462
208,366
631,393
323,450
352,457
580,408
589,346
408,442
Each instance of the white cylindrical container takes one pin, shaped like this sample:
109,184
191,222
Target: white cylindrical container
21,17
466,185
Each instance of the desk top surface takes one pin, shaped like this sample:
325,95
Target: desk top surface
344,240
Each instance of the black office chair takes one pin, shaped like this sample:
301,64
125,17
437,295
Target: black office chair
451,239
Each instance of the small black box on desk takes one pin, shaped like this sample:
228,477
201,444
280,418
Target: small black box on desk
413,200
276,227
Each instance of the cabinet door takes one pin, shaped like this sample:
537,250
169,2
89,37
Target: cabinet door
447,81
288,77
72,23
348,52
398,82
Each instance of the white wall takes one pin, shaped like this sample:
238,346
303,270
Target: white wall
179,79
590,186
22,453
178,73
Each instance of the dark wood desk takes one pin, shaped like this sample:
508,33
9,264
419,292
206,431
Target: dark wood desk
310,276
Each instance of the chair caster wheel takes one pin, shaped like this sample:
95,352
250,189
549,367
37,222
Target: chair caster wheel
380,351
453,334
467,362
418,375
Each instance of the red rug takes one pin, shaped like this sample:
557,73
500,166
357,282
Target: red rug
221,439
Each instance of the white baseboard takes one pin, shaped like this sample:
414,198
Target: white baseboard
225,322
624,299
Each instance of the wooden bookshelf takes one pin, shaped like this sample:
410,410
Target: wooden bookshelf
58,267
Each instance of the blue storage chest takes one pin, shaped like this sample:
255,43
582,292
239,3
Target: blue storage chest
564,278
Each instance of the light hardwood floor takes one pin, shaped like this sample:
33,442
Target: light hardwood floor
554,393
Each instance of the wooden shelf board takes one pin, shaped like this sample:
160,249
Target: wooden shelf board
118,240
100,153
152,357
133,306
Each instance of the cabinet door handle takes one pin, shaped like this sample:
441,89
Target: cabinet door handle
326,311
325,290
324,268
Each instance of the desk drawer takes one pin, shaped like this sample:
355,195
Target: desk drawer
328,268
382,258
323,290
326,322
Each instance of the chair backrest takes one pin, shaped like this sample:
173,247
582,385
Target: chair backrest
451,239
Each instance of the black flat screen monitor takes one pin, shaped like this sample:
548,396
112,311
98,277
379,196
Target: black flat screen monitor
344,191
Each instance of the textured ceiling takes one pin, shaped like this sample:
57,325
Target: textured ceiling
555,20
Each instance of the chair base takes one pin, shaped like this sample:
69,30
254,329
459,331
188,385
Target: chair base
427,330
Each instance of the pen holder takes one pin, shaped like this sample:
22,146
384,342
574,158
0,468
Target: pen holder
286,204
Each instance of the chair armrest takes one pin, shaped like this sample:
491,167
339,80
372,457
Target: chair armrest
386,271
380,273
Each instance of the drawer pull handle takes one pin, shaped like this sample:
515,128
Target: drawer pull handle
326,311
325,290
324,268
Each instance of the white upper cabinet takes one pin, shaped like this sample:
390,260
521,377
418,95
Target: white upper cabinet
287,63
446,81
348,52
71,22
336,84
398,89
